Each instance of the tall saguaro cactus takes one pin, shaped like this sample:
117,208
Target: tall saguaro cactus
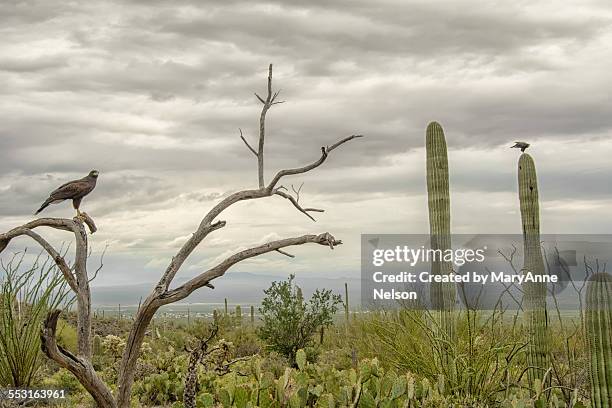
438,199
598,329
534,294
346,304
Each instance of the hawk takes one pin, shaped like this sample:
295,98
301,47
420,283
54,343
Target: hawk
74,190
520,145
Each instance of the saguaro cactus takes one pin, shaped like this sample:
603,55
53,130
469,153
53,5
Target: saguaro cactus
534,294
238,314
97,345
346,303
598,322
438,198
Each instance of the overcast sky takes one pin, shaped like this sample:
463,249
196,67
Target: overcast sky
152,93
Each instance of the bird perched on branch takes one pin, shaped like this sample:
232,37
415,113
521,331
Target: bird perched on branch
520,145
74,190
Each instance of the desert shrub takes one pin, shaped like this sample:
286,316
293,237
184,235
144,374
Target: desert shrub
487,361
67,335
245,341
274,363
173,335
25,298
341,358
289,322
63,379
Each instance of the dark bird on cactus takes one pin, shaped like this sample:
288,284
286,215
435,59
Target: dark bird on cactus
74,190
520,145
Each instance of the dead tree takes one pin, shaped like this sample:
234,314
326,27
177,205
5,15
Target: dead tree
162,294
191,377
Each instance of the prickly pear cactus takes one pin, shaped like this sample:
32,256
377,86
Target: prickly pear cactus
534,294
438,199
598,322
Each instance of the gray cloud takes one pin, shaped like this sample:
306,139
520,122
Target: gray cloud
152,93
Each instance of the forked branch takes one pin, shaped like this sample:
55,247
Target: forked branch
296,204
219,270
247,143
325,151
77,365
267,104
55,223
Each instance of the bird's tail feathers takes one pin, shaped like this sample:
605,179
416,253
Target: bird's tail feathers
43,206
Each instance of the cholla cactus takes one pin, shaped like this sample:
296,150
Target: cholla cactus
113,345
146,348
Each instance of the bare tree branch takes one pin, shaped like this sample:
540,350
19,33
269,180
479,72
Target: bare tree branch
280,251
262,128
341,142
219,270
207,226
83,295
273,101
89,221
184,252
57,223
95,275
57,258
260,98
300,170
295,203
195,358
275,93
247,143
63,224
297,191
80,367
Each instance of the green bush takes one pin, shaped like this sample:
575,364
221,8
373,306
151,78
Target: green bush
289,323
245,341
484,360
63,379
67,335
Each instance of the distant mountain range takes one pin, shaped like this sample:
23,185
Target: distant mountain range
246,288
237,287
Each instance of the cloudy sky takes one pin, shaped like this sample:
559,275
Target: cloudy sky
152,94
